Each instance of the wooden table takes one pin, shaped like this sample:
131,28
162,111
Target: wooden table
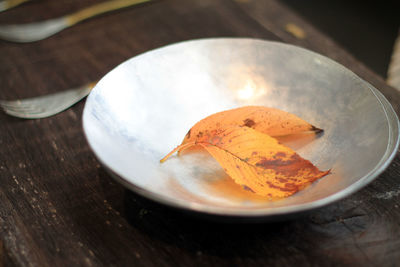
59,207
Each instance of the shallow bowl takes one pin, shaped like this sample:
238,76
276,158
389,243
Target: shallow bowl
143,108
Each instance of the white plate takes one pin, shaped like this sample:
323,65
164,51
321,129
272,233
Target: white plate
143,108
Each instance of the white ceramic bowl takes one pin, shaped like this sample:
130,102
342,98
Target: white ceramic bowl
143,108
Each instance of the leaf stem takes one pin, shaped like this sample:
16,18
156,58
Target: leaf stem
182,147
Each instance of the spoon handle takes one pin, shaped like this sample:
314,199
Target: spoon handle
8,4
100,9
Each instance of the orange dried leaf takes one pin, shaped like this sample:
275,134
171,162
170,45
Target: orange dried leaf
257,161
271,121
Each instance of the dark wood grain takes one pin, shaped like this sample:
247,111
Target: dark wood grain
59,207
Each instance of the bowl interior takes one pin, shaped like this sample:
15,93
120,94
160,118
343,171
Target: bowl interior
143,108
